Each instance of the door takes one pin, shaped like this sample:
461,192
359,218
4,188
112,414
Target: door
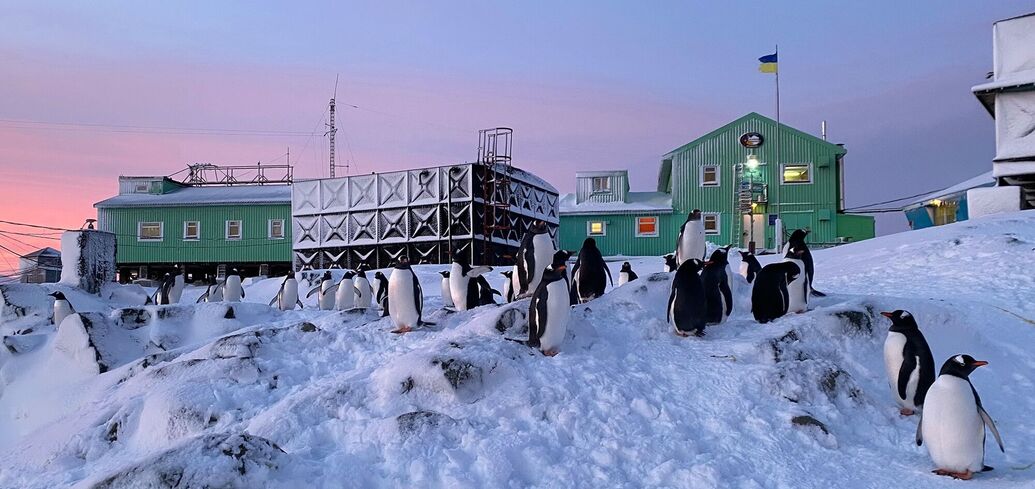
754,230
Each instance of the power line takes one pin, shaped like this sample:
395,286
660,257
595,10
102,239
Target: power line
131,128
892,200
37,226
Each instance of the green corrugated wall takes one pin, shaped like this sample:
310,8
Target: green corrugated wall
213,247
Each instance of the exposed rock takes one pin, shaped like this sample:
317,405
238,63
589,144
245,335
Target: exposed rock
806,420
133,317
420,422
308,327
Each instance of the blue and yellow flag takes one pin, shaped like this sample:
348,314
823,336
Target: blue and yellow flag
768,63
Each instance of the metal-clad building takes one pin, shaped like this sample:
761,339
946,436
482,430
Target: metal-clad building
743,176
41,266
945,206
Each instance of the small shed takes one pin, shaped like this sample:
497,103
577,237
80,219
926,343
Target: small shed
945,206
41,266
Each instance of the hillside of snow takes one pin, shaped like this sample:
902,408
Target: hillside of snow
191,395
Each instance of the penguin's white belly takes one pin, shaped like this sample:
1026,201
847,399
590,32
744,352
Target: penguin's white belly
216,295
515,281
345,296
506,290
693,243
951,427
233,289
177,290
544,252
797,290
401,306
326,300
289,296
447,296
558,311
62,309
744,269
458,287
623,278
893,359
363,297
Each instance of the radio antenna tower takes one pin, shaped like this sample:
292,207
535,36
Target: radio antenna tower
331,130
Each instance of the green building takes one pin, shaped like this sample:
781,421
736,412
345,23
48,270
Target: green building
748,178
160,223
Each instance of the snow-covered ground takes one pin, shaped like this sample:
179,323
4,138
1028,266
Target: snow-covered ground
183,396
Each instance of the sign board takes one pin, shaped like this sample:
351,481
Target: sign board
751,139
772,219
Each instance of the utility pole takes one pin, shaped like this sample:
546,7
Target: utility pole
331,131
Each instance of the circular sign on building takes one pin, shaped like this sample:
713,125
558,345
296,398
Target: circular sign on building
751,140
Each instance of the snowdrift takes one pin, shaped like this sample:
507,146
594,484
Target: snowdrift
128,396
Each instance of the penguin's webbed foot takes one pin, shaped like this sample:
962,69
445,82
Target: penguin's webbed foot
965,475
699,333
682,334
906,412
402,329
551,352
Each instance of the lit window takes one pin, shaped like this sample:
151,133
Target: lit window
191,230
233,229
276,230
711,223
646,226
710,176
601,184
149,231
596,228
797,173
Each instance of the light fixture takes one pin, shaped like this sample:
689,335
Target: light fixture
752,161
936,202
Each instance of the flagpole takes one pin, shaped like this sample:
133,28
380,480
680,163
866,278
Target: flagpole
779,169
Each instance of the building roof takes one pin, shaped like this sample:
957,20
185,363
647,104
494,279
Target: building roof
48,251
983,180
216,195
638,203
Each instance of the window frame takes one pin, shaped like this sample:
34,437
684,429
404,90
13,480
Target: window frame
269,229
718,223
718,176
142,187
589,228
240,230
656,232
783,173
140,231
197,236
605,189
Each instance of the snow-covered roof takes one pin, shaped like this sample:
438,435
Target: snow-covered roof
983,180
639,202
238,194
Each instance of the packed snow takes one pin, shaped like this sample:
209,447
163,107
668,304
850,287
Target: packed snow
193,395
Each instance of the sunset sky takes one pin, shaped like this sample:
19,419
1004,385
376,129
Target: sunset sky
585,85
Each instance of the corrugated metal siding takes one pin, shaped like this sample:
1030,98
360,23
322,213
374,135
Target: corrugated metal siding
254,245
621,236
855,228
619,189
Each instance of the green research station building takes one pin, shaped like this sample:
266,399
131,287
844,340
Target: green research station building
746,177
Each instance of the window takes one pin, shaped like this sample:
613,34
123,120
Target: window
276,229
191,230
149,231
596,228
142,187
601,184
710,176
646,227
233,229
797,173
711,223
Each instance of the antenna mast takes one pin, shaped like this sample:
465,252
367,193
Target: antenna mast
331,131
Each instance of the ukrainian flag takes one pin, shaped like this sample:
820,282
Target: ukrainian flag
768,63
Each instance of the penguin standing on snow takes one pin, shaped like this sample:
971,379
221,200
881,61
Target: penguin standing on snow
797,289
382,291
176,291
214,293
326,289
62,308
691,243
508,286
345,297
797,240
718,289
485,291
550,308
364,294
164,290
590,275
232,289
405,296
463,284
908,361
749,266
626,275
670,263
447,296
686,303
953,421
533,256
769,295
287,296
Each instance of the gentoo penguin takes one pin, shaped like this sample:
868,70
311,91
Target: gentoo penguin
590,274
62,308
176,291
953,421
287,296
686,303
797,289
485,291
164,290
908,361
690,243
718,289
364,294
381,296
550,308
447,297
533,256
749,266
797,240
326,288
670,263
232,289
508,286
769,295
626,275
345,296
405,296
463,286
214,293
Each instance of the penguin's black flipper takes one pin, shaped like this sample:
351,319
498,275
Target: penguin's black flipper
312,291
919,434
299,302
991,426
274,300
905,371
202,298
242,291
727,296
633,276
